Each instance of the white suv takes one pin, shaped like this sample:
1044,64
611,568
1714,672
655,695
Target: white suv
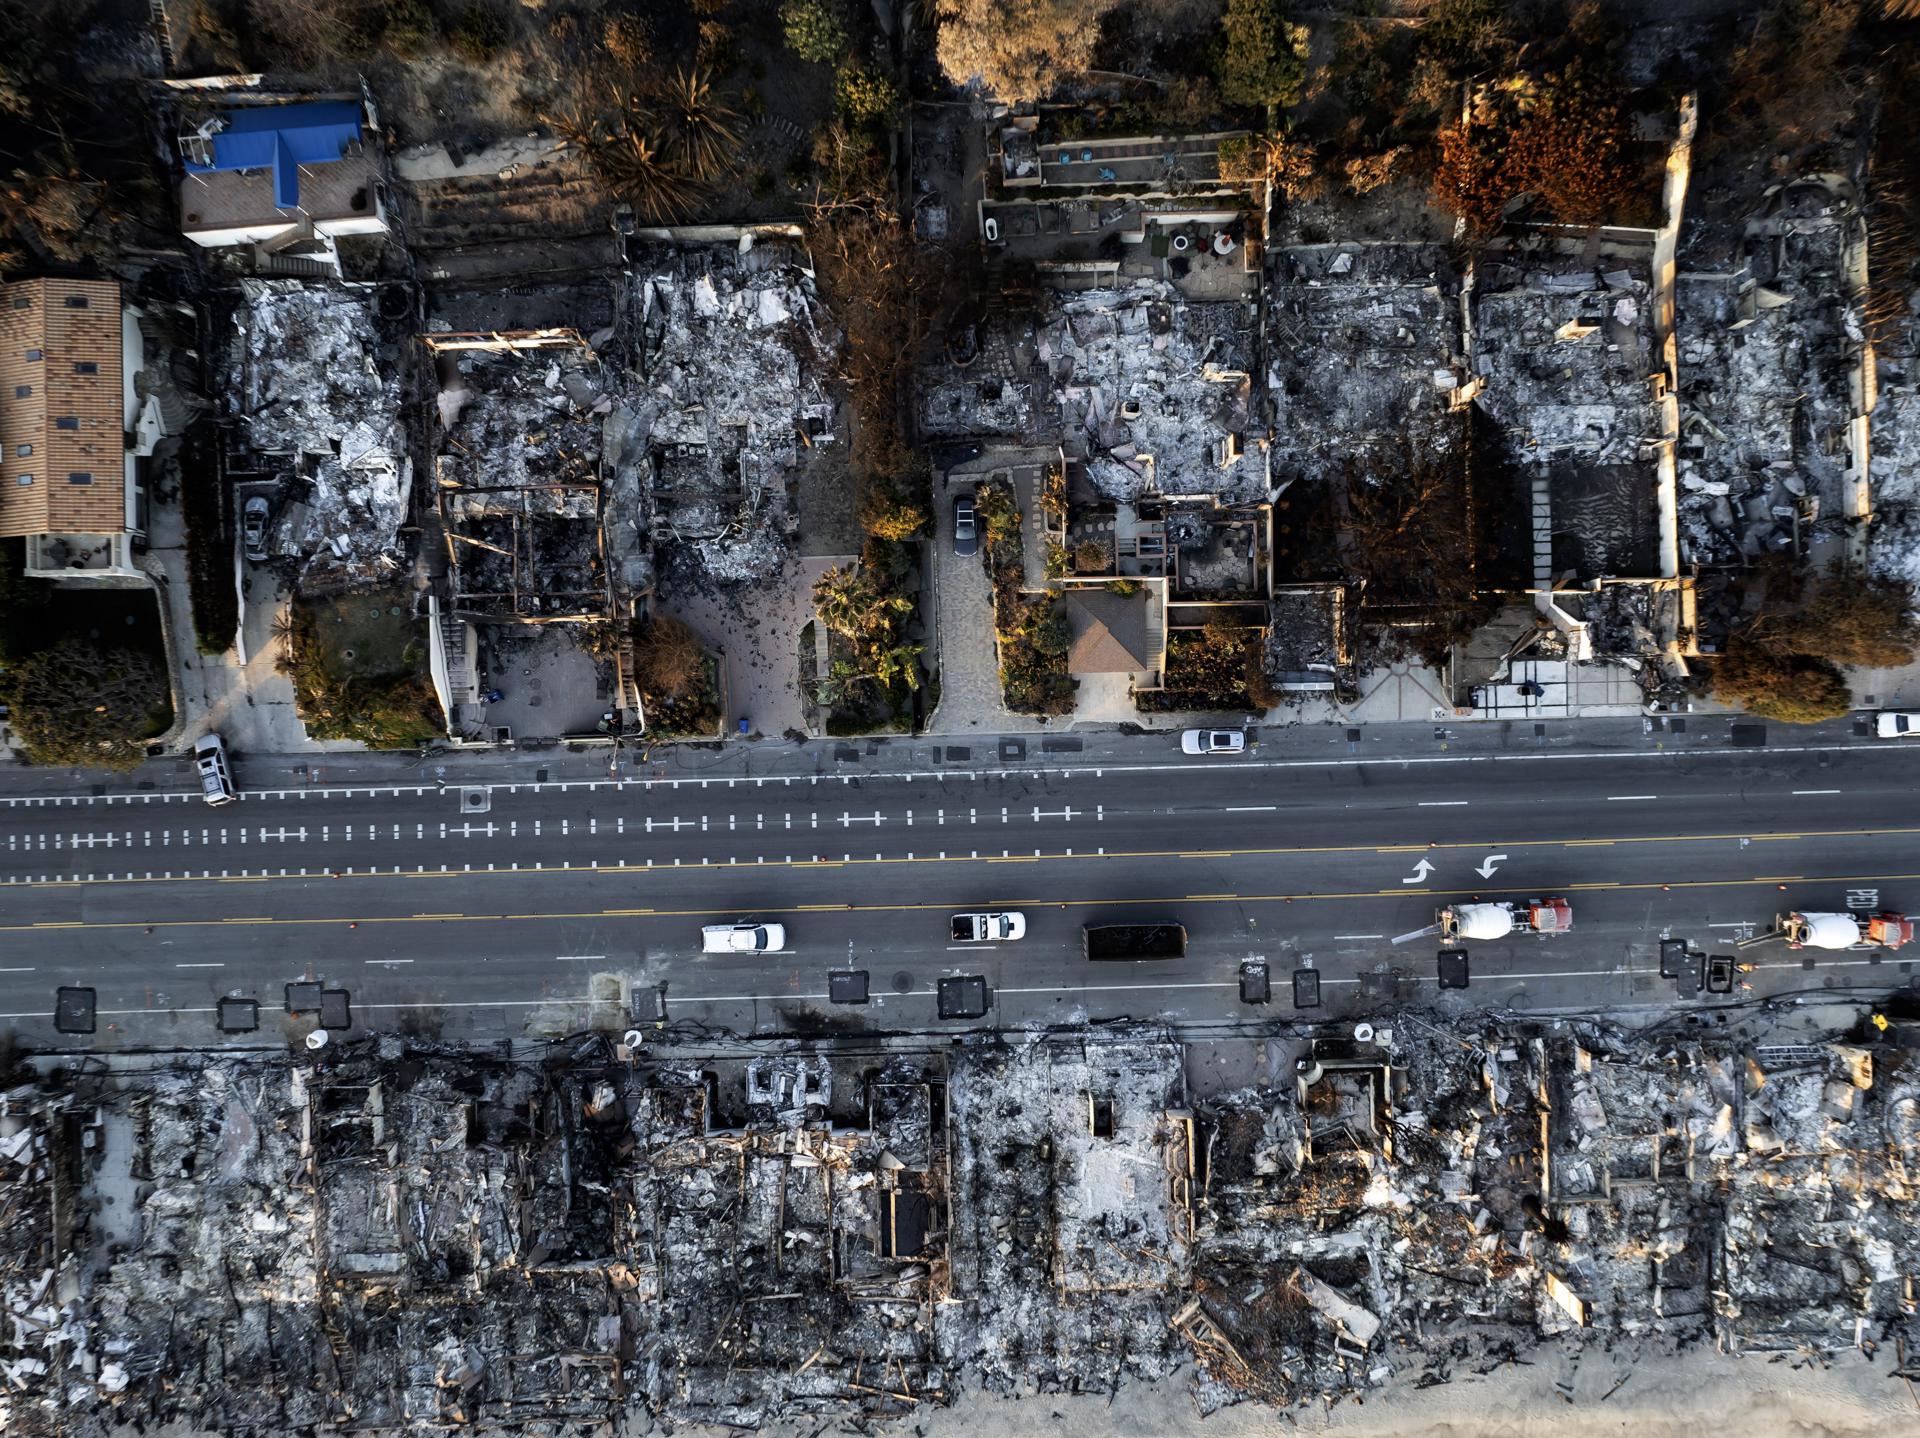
742,938
216,776
1213,741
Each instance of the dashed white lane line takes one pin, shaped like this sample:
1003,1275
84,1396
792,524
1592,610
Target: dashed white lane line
1444,803
1629,798
199,966
1359,936
1798,793
1246,809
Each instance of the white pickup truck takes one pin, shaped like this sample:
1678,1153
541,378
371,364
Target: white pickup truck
988,928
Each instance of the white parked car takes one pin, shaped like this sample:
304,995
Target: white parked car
1213,741
742,938
1897,724
216,775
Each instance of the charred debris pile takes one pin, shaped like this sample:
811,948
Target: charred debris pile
400,1236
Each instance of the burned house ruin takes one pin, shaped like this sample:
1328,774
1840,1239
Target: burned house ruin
399,1234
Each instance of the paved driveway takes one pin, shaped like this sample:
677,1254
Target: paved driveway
963,620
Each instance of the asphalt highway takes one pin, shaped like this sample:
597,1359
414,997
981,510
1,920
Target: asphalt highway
499,909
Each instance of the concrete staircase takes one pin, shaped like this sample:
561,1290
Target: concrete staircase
1157,630
1542,535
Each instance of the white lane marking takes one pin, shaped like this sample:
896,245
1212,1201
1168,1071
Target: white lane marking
1799,792
1403,761
199,966
1444,803
579,958
1629,798
1359,936
387,962
1250,809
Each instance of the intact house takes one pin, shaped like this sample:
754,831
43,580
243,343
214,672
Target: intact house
77,427
282,181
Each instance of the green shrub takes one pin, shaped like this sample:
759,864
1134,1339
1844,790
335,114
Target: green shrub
815,30
861,95
1263,58
76,704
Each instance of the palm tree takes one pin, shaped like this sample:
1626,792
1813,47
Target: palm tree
850,603
627,158
889,662
698,133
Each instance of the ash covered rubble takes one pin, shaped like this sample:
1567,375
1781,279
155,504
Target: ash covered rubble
728,401
1895,435
1363,350
408,1236
1154,392
1573,374
1767,348
518,476
314,380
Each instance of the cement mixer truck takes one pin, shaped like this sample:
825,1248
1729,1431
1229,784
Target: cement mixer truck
1495,921
1844,931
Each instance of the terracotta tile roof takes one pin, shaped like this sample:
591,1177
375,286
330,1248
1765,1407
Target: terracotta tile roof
61,408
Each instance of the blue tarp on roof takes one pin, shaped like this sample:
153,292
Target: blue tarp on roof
282,138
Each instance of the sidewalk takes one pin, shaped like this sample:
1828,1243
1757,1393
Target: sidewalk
1298,742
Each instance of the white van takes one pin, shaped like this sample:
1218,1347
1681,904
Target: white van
742,938
216,777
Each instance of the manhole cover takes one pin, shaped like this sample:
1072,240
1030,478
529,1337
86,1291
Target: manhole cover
475,801
903,983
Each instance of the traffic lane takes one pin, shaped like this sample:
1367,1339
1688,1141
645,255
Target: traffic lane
1781,782
475,929
1416,873
530,992
780,836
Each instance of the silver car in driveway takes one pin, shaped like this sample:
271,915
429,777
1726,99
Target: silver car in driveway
253,527
966,526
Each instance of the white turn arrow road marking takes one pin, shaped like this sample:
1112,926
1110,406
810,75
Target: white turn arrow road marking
1420,872
1486,869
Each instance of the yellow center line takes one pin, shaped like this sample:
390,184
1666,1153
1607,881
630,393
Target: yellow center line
1038,901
